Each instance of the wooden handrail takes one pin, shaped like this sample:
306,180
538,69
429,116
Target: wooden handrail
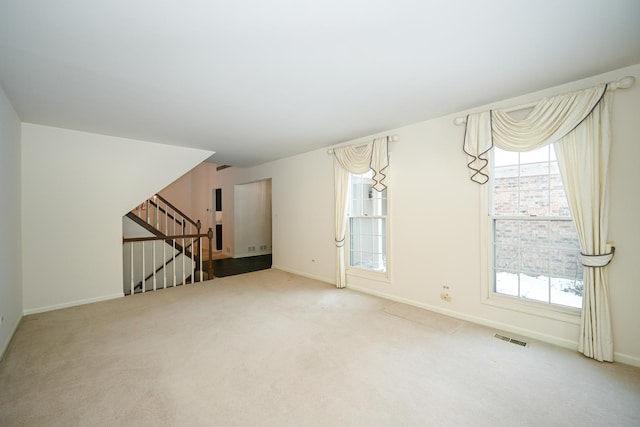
169,240
182,222
148,239
173,208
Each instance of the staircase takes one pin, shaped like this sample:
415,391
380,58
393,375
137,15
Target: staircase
162,247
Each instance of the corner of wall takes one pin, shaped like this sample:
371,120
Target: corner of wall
12,331
11,278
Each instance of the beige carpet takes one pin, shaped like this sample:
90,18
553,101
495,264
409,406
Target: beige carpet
274,349
427,318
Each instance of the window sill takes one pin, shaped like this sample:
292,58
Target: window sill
370,275
555,312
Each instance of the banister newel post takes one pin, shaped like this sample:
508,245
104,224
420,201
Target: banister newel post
210,237
198,249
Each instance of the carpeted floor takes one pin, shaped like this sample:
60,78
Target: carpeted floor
273,349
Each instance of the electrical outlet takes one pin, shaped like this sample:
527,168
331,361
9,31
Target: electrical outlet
445,296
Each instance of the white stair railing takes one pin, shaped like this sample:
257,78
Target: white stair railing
143,255
180,257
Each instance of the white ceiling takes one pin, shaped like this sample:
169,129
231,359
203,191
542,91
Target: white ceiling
259,80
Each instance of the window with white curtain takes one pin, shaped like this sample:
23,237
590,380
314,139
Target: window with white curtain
367,234
536,254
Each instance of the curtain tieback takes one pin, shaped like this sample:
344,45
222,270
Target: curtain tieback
597,261
340,243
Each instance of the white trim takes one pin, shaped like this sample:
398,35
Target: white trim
251,254
72,304
307,275
561,342
626,359
13,332
550,311
384,277
370,274
487,295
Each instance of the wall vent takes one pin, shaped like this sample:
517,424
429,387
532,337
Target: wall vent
511,340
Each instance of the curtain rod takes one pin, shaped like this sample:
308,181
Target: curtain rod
623,83
392,138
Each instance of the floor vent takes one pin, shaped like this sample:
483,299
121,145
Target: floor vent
511,340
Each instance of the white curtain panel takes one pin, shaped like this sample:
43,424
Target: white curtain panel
578,125
354,159
583,158
341,184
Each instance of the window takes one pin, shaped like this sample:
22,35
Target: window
536,254
367,212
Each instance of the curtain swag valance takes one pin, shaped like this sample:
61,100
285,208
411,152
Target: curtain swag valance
361,158
550,120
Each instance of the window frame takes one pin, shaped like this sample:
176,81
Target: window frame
380,276
488,294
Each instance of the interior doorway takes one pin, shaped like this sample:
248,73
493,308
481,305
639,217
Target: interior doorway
252,219
248,232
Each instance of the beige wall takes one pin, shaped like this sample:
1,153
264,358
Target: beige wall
85,183
204,179
179,193
10,222
435,221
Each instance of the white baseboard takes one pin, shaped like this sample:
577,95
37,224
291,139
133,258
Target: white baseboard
626,359
250,254
300,273
571,345
13,332
550,339
72,304
474,319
